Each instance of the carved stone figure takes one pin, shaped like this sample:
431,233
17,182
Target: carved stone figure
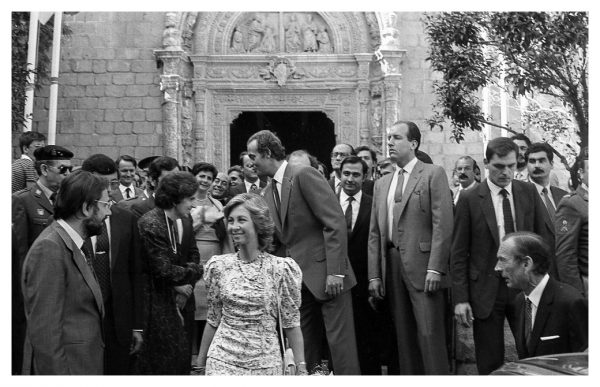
237,42
292,35
310,35
376,117
390,35
255,33
268,41
171,36
323,41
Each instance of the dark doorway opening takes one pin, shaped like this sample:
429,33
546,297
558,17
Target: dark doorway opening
312,131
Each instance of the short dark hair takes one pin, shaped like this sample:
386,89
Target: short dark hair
413,133
522,137
500,146
163,163
204,166
27,138
424,157
268,141
540,147
79,188
131,159
99,163
355,160
236,168
173,188
532,245
365,147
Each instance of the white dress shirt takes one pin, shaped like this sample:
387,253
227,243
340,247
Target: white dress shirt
249,185
74,235
535,296
278,177
355,204
390,198
460,189
497,199
122,188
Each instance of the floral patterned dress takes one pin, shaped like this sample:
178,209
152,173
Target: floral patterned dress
243,300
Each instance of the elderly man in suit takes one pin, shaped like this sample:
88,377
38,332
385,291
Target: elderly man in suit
410,234
118,267
552,316
484,214
126,171
312,229
63,300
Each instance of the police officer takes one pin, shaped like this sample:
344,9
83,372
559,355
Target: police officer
571,227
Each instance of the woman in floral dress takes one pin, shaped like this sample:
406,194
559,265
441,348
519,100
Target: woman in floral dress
245,292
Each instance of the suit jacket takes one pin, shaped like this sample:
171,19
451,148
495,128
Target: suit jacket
557,194
127,281
139,206
64,308
476,240
31,214
117,195
571,224
424,223
312,227
358,244
367,186
563,313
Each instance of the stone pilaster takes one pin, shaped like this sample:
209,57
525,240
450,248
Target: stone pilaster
364,61
391,62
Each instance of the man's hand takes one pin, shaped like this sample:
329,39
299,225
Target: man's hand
136,342
334,285
432,282
185,290
376,289
211,215
463,314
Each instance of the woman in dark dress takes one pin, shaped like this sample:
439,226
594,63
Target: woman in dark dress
172,259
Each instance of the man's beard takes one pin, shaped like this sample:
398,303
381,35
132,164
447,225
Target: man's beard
92,226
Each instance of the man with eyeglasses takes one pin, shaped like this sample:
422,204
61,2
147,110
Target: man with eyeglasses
338,154
62,295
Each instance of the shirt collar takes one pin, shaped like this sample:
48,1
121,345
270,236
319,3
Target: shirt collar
343,197
74,235
460,187
47,191
123,187
24,156
410,165
496,190
585,187
540,187
536,294
278,176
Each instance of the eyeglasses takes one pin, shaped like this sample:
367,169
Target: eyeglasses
339,154
108,204
64,169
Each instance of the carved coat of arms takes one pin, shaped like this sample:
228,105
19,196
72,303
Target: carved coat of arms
281,69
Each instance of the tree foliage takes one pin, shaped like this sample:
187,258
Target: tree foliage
20,73
536,53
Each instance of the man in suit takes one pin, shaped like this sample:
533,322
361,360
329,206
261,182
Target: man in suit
118,257
219,189
23,171
338,153
410,234
540,160
572,231
251,182
465,172
159,168
62,297
312,229
484,214
369,156
126,189
552,316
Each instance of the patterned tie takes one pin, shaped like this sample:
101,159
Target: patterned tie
276,197
528,318
509,225
348,214
549,205
127,192
253,187
398,192
102,262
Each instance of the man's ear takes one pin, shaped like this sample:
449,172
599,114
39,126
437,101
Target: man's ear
44,169
87,209
527,262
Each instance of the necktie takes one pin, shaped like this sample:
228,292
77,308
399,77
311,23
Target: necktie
127,192
398,192
276,197
88,252
101,262
348,213
253,187
528,318
509,225
549,206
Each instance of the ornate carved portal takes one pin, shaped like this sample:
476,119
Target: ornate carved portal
214,65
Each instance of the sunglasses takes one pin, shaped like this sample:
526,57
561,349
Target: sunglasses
64,169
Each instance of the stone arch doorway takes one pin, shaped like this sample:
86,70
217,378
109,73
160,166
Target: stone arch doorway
310,130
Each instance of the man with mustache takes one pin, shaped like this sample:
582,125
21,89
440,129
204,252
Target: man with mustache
465,168
63,300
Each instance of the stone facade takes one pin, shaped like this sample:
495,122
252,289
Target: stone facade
145,83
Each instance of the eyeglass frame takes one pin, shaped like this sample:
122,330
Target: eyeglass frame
108,203
340,154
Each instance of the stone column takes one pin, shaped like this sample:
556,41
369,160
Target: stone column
170,85
363,97
201,137
391,61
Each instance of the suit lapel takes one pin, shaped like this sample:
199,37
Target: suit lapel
268,196
83,267
383,195
541,316
520,205
286,188
362,217
413,179
487,206
114,242
116,195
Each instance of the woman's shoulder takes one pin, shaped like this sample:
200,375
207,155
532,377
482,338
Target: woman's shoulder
288,264
223,259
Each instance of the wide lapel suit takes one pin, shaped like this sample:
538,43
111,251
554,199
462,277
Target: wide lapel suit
64,308
560,325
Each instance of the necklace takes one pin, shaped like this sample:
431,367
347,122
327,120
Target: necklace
256,276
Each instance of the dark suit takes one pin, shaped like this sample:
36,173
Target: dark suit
561,322
557,194
124,308
473,258
313,229
422,232
241,188
139,206
117,195
31,213
64,308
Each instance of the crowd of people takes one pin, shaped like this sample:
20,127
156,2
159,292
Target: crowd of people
278,266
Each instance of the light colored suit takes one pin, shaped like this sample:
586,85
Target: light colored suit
423,220
64,308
